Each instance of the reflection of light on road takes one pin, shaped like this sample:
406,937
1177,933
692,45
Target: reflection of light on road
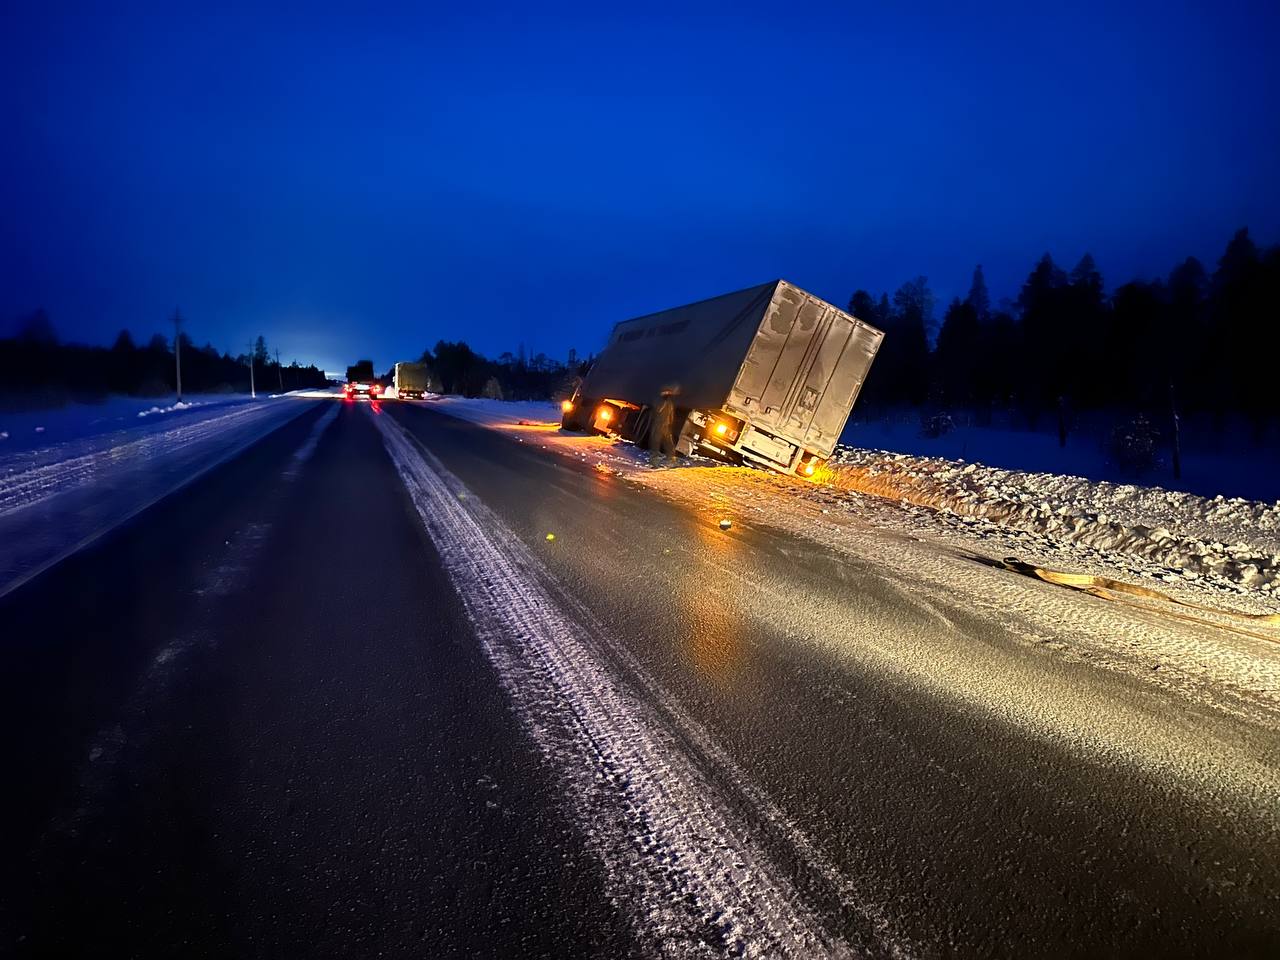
714,641
530,426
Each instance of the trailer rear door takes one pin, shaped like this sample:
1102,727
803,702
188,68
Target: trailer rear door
804,369
834,380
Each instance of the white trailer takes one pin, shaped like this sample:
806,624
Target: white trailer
412,380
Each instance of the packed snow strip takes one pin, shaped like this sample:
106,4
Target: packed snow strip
668,845
1237,540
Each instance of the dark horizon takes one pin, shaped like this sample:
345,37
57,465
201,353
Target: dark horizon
353,187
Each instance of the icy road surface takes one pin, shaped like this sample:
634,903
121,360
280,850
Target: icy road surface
1208,549
388,682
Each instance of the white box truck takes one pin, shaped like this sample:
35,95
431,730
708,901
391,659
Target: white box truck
411,380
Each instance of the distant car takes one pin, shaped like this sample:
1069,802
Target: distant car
363,388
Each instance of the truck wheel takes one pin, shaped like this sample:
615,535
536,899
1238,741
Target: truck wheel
639,427
579,419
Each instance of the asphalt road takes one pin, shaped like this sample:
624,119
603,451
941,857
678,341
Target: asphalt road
277,714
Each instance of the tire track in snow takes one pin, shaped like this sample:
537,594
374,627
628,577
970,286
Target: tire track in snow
698,882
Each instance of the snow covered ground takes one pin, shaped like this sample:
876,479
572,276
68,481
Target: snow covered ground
1231,545
1216,459
67,476
34,429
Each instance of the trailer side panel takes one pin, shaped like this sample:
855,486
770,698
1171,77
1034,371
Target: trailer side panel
696,348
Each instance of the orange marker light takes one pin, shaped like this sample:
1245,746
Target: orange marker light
566,405
808,469
722,428
605,414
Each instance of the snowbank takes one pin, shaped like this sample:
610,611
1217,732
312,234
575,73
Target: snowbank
180,405
1217,458
1236,539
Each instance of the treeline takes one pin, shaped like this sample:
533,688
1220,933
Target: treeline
1207,341
38,369
456,368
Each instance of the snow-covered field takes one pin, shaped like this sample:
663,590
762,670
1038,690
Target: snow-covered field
1223,460
36,429
69,474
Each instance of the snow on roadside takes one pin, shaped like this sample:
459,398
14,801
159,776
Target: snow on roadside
180,405
57,498
76,422
1217,538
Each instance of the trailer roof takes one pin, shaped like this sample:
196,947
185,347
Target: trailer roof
752,290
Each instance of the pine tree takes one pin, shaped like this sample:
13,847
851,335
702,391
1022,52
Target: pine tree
978,298
957,353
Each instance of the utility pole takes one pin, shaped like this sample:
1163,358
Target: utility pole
177,348
279,370
252,392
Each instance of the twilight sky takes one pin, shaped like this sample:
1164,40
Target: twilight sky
368,181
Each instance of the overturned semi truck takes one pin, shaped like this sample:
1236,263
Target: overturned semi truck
766,375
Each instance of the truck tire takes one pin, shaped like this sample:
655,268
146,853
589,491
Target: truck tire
579,418
638,426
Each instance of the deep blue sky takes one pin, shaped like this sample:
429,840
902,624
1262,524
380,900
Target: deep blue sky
360,183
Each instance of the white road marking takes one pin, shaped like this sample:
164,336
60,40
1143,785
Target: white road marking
691,868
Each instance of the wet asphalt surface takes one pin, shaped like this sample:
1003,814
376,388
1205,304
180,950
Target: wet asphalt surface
254,721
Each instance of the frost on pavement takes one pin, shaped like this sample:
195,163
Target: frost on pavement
672,847
57,498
